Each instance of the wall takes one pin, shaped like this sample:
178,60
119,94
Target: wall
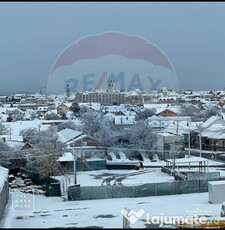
84,166
4,196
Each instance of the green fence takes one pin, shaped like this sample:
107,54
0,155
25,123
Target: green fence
36,178
52,185
153,189
53,189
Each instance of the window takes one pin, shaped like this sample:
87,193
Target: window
84,144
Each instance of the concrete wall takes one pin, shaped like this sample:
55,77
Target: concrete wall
84,166
4,196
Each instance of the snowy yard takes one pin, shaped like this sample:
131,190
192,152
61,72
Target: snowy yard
55,212
134,177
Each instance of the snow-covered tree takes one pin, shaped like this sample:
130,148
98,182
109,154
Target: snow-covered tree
138,135
75,108
4,154
16,115
209,112
91,123
142,115
198,114
47,149
28,133
63,116
51,116
84,109
3,146
68,125
3,129
34,115
142,136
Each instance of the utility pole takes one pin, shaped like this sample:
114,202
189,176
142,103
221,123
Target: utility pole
81,142
10,133
200,129
200,143
74,166
189,138
188,119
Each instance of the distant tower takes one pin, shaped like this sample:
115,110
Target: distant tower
110,83
68,91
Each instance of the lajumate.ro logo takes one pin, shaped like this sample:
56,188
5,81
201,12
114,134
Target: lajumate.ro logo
130,61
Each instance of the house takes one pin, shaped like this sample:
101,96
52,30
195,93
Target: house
68,135
158,123
170,145
4,99
42,108
13,110
191,107
18,145
75,139
120,113
51,122
124,120
64,108
85,140
213,134
26,146
134,98
167,113
166,110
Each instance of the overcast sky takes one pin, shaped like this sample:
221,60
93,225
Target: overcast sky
33,34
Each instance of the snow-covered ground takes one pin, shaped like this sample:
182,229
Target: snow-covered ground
50,212
163,163
134,177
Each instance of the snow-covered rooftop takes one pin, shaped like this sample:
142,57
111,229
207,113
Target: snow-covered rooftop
67,156
66,135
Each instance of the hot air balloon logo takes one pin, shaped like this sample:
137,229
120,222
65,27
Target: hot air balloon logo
131,61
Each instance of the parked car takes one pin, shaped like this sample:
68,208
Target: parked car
222,212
